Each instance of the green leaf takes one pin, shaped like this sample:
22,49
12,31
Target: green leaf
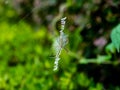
115,37
110,48
83,80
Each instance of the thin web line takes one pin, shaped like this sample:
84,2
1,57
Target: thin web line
32,10
6,2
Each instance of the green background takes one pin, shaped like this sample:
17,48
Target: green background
27,31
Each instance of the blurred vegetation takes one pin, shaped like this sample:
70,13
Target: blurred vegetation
27,30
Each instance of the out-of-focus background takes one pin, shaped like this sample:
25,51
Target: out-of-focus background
27,31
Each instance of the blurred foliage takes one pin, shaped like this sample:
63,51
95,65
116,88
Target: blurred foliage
27,30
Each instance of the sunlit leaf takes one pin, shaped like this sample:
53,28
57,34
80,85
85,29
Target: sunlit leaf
115,37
